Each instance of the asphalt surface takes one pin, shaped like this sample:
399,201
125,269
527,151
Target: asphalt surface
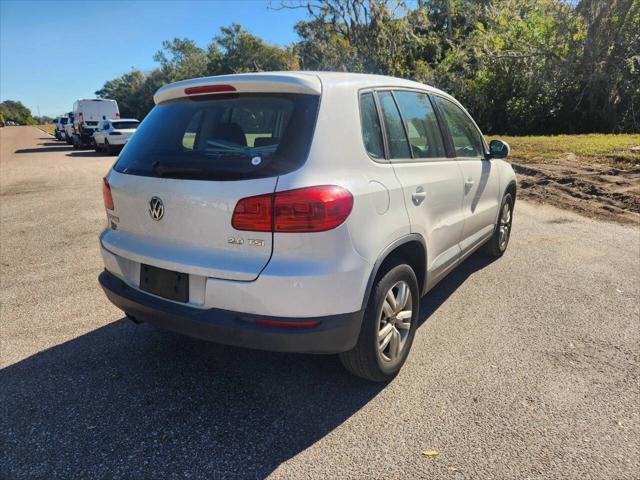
523,368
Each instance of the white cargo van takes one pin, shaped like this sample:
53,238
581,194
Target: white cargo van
86,115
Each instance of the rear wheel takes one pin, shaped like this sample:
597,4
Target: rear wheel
497,244
388,326
108,148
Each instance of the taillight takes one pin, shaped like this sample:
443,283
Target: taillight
310,209
106,194
253,213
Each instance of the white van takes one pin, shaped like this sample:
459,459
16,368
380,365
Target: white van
86,115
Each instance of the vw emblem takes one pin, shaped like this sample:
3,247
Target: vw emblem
156,208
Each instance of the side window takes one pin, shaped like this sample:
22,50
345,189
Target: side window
420,119
396,137
371,131
466,138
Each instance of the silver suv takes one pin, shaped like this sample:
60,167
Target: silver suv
300,211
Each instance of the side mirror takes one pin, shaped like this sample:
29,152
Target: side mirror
499,149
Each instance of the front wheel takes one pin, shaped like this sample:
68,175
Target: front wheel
388,326
497,244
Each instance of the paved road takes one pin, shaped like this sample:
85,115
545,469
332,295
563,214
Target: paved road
527,367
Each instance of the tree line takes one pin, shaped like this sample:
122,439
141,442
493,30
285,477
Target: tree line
13,111
519,66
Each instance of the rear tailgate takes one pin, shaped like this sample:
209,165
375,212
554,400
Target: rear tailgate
194,234
198,156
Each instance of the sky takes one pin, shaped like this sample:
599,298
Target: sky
54,52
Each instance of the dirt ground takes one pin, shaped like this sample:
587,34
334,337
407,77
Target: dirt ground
599,191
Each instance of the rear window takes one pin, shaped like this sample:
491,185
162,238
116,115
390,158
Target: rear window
125,125
91,123
64,121
223,137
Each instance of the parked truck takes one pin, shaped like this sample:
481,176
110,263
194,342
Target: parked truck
86,115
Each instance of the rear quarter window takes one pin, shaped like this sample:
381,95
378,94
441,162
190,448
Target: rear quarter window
371,131
223,137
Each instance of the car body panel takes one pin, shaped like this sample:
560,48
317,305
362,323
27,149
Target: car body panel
304,275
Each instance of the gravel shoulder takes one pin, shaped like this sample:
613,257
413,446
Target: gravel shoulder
524,367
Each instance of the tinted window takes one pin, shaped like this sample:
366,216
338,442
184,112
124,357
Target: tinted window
124,125
422,125
64,121
371,131
222,137
396,137
466,138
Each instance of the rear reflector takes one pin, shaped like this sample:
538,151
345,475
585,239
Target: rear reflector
285,323
209,89
310,209
106,194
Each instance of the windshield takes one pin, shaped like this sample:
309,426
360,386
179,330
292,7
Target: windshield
223,137
125,125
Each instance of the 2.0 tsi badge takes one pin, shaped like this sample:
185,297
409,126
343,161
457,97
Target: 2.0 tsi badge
156,208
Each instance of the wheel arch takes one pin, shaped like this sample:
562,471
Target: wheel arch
411,248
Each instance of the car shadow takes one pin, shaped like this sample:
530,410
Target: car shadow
449,284
46,148
132,401
87,153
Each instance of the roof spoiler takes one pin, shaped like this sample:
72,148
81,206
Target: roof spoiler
252,82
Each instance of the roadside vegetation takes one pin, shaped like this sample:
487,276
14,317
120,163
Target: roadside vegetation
622,151
13,111
48,128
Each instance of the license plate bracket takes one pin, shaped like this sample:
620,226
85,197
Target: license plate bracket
164,283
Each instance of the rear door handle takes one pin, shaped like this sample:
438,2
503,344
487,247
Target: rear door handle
418,196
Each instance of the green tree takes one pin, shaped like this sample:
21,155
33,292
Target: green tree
17,112
181,59
235,50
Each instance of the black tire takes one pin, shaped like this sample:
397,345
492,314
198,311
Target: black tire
67,139
108,148
497,245
365,359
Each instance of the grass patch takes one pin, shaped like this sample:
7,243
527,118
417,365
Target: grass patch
590,148
49,128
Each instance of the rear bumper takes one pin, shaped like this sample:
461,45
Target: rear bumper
334,333
118,140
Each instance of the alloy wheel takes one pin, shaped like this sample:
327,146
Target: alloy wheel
505,226
394,323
